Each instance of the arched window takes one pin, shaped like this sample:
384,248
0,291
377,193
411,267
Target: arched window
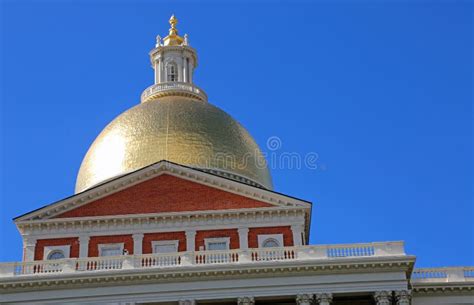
171,72
270,243
56,254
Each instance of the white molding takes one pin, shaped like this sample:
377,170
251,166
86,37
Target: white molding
155,170
226,240
155,223
155,243
65,249
264,237
266,279
102,247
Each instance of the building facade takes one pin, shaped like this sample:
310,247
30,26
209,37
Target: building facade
174,204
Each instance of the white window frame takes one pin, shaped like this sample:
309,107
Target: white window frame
262,238
155,243
114,245
208,241
66,250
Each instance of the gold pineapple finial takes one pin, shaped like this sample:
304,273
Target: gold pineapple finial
173,39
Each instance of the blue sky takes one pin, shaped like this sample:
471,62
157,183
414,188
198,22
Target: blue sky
381,91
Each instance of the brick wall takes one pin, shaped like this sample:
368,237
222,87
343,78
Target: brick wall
150,237
41,243
232,233
164,193
286,231
112,239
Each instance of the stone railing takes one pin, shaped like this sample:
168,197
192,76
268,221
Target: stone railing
447,274
180,88
199,258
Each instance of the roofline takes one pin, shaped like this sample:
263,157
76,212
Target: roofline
154,164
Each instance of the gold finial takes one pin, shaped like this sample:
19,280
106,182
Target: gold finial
173,39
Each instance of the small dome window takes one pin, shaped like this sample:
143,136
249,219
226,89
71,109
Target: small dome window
56,254
172,72
271,243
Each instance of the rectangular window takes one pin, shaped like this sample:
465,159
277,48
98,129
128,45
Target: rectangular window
165,246
215,244
110,249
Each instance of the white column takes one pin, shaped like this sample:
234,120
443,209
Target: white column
185,70
191,69
244,238
324,298
297,234
84,246
180,69
403,297
29,246
304,299
162,71
245,301
383,297
156,66
190,240
187,302
137,243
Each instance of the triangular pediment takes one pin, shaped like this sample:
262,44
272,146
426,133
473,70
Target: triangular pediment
163,187
164,194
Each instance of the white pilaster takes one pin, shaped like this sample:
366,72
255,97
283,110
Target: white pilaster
297,234
190,240
403,297
84,245
324,298
244,238
29,246
245,301
137,243
383,297
304,299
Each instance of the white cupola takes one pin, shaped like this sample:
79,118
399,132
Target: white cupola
172,58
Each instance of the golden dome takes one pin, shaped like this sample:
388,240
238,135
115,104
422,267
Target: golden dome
178,129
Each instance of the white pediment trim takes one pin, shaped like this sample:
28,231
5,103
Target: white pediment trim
155,170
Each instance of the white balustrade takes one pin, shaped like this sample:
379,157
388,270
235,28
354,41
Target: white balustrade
237,256
274,254
159,260
173,86
449,274
216,257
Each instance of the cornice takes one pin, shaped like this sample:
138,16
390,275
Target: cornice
265,269
433,289
190,50
166,221
155,170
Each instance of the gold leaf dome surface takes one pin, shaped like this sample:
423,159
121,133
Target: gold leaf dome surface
178,129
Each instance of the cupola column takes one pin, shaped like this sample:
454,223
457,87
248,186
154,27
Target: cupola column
185,69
